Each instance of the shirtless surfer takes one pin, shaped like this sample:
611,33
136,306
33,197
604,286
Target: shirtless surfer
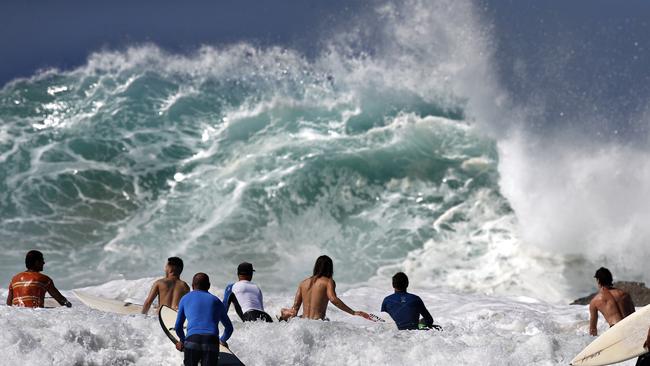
613,303
315,292
28,288
169,289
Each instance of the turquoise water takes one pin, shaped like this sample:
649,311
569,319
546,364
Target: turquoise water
410,157
228,155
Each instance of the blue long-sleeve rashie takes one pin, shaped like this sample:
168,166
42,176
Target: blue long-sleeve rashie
405,309
203,312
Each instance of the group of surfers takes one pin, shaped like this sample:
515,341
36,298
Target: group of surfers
204,311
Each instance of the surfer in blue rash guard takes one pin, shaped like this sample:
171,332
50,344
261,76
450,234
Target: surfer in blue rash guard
246,296
406,308
203,312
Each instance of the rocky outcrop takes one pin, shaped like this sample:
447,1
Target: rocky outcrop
640,294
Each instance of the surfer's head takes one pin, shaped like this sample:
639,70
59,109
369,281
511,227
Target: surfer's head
34,260
245,271
324,267
604,277
201,281
175,265
400,281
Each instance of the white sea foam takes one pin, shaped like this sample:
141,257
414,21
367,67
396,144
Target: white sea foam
582,200
478,329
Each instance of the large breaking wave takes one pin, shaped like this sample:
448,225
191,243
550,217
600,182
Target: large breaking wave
388,158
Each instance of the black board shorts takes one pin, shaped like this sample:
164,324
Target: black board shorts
643,360
201,348
255,315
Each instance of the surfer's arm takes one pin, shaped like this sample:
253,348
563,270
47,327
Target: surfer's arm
646,345
232,299
227,328
10,296
331,295
180,321
150,298
297,301
428,319
52,290
593,319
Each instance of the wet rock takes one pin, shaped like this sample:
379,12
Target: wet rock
640,294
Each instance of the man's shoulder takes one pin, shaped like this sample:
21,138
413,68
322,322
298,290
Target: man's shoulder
305,282
39,276
17,276
620,293
596,300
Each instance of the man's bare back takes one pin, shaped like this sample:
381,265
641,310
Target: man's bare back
313,295
613,303
169,292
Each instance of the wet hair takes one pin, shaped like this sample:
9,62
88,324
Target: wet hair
400,281
201,281
32,257
176,264
604,277
324,267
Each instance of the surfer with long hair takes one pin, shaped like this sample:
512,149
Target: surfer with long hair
315,292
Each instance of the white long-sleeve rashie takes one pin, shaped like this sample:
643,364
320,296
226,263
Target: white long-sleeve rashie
248,295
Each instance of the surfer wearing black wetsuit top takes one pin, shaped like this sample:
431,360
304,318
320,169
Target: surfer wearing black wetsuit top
246,296
406,308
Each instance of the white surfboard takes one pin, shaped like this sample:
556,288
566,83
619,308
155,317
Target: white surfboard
621,342
167,317
50,303
108,305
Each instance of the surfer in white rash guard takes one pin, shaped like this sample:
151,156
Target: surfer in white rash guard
613,303
246,296
169,289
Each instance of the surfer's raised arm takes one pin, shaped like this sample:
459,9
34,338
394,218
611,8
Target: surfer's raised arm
153,293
